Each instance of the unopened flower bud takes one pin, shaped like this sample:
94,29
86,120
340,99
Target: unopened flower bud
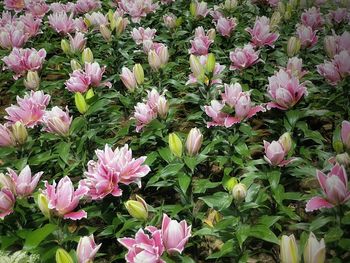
196,66
74,64
193,9
286,141
275,20
230,4
293,46
43,205
80,103
87,56
239,192
89,94
343,159
154,60
139,74
162,107
288,13
289,249
137,208
87,22
194,141
32,81
230,183
63,256
175,144
314,251
119,27
105,32
19,133
65,46
281,8
211,34
210,63
330,45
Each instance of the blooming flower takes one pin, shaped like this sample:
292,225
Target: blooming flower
57,121
24,183
174,234
225,26
261,34
6,137
307,36
137,8
200,9
13,35
30,109
85,6
16,5
77,43
79,81
312,18
285,90
144,247
144,114
63,199
141,34
113,167
38,8
330,72
201,43
87,249
62,23
244,57
21,60
275,154
219,118
7,202
335,188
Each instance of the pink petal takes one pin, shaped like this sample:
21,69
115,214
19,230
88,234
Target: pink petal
76,215
317,203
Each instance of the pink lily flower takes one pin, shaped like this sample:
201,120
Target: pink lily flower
335,188
24,183
63,199
144,247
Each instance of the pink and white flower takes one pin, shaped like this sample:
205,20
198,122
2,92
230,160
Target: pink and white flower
63,199
335,189
6,137
30,109
225,26
85,6
175,235
137,8
275,154
260,33
141,34
112,168
201,43
38,8
145,247
339,15
16,5
13,35
285,90
330,72
87,249
7,202
244,57
22,60
24,183
144,114
62,23
57,121
312,17
200,9
307,36
78,81
77,43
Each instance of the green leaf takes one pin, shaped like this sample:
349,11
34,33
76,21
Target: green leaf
63,149
333,234
219,200
263,232
201,185
34,238
224,250
184,182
